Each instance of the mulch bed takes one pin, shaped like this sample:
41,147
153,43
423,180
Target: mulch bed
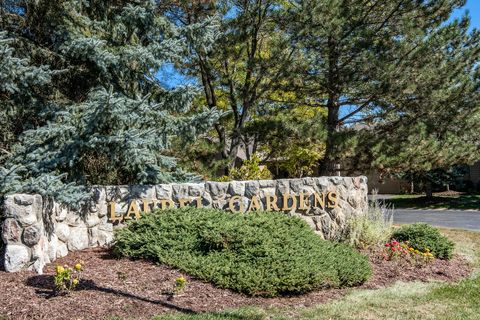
137,289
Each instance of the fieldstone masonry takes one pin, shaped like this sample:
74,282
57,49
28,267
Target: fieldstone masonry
37,232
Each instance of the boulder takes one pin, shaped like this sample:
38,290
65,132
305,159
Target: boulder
236,188
31,235
11,231
24,208
78,239
62,250
163,191
53,247
105,238
17,257
62,231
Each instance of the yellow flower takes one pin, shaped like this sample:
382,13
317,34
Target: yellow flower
60,269
411,249
75,282
180,280
428,250
78,267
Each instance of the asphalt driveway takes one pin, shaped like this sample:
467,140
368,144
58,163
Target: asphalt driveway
458,219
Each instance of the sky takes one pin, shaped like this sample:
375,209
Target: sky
170,78
473,6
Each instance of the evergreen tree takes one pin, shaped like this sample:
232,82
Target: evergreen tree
20,86
251,61
403,70
107,120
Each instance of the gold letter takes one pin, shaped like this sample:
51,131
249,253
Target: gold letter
287,196
199,202
231,205
113,216
133,208
146,205
183,202
303,203
271,203
170,203
332,198
254,204
319,200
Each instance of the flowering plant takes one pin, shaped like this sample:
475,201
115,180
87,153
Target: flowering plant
66,278
395,249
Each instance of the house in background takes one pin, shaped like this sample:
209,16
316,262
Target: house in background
399,186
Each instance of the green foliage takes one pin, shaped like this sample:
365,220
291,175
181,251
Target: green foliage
21,84
180,284
423,237
250,170
372,229
252,64
83,85
200,156
293,138
67,279
263,254
410,92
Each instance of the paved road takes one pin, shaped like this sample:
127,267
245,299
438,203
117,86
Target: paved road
458,219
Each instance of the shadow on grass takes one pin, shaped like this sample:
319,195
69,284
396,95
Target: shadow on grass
463,202
45,287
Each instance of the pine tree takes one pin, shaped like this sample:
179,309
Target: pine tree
108,119
402,69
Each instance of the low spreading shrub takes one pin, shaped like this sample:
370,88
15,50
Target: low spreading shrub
424,237
258,253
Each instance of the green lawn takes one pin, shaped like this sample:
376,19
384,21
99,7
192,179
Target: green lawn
437,202
400,301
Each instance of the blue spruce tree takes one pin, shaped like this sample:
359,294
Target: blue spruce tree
104,118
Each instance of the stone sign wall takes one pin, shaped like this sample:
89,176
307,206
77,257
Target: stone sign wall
36,232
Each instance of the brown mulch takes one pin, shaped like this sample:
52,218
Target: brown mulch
137,289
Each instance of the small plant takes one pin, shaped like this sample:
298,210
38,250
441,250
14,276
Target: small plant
402,250
423,237
421,258
371,229
180,285
66,278
395,250
122,276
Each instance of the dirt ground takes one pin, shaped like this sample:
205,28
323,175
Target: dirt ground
139,289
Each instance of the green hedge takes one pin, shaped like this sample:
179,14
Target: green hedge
422,236
259,253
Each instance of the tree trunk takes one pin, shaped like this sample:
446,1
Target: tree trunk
429,190
329,164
